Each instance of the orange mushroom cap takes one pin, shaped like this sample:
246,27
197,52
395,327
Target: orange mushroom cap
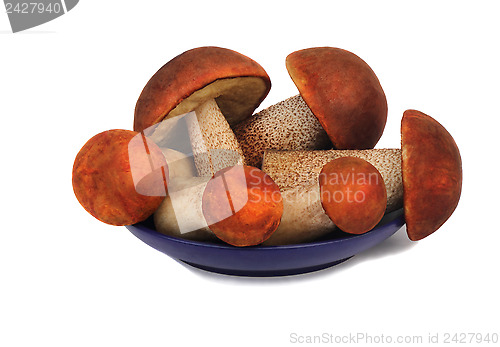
344,94
353,194
432,174
120,177
242,205
236,82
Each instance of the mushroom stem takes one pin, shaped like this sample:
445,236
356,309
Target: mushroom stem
291,169
213,142
180,214
180,164
287,125
304,218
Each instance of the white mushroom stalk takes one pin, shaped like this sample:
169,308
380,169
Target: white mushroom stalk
303,218
180,214
179,164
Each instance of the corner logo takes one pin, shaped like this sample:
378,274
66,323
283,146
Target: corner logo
26,14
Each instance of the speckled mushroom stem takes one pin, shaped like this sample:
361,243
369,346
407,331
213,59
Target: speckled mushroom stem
213,142
287,125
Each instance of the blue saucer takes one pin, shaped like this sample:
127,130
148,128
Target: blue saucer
265,261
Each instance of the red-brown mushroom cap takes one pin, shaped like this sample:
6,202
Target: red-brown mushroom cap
353,194
120,177
432,174
242,205
236,82
344,94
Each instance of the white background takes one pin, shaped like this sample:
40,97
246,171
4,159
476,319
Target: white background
68,280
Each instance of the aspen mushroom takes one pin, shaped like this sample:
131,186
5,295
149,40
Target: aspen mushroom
424,176
297,175
341,105
240,205
290,169
216,88
120,177
353,194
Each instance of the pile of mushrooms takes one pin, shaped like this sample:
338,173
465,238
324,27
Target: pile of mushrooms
205,167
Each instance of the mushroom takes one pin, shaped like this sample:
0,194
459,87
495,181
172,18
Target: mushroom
297,175
290,169
344,94
215,88
287,125
120,177
240,205
425,176
353,194
340,100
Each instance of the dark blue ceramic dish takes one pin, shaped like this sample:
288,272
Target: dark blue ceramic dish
264,261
